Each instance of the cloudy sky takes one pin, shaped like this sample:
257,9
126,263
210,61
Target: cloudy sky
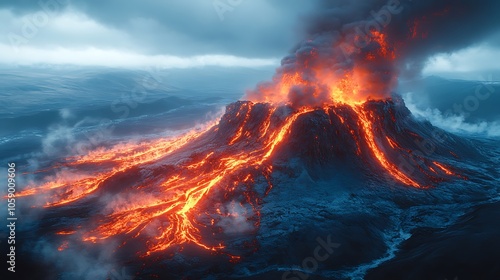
130,33
177,34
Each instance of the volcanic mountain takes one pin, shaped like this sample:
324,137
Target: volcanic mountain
205,189
379,137
170,192
327,114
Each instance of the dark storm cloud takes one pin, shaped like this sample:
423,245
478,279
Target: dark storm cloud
441,26
416,30
446,26
370,43
251,28
494,40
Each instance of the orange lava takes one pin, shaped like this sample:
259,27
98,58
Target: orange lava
171,215
442,167
66,189
366,121
63,246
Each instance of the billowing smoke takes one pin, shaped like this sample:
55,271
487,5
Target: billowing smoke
355,50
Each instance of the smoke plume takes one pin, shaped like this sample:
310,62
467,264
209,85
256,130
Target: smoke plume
356,50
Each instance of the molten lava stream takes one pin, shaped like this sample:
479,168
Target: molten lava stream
177,200
367,126
74,186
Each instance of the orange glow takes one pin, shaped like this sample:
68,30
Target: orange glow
415,29
240,129
63,246
366,125
75,186
444,168
392,143
384,51
350,86
68,232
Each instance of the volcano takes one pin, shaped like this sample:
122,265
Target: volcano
172,190
324,151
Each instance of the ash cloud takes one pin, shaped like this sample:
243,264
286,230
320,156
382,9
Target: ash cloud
375,42
442,27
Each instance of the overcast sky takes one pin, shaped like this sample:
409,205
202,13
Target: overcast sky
128,33
175,34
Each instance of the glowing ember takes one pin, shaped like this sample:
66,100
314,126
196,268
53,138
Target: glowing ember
63,246
442,167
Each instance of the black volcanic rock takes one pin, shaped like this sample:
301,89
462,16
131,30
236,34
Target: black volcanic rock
322,180
328,137
467,250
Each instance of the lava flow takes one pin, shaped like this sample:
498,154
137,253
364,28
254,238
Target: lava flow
169,185
171,192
